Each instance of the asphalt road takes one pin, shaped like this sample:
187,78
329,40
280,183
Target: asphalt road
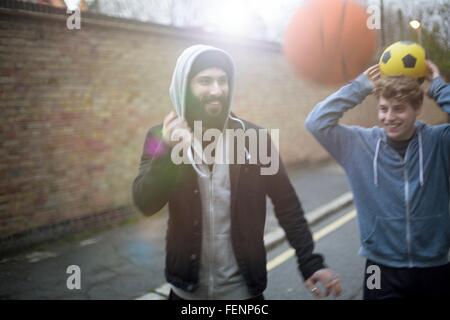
340,249
127,261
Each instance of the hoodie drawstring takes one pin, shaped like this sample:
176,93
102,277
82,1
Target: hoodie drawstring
194,165
247,154
207,174
420,159
375,158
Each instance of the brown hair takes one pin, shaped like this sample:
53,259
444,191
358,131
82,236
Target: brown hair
400,88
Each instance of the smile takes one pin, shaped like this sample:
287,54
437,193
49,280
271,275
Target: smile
392,126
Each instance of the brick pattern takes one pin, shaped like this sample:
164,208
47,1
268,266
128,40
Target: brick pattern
76,104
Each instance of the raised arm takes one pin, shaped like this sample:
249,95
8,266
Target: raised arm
158,176
323,120
439,90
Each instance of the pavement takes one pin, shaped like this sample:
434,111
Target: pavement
127,261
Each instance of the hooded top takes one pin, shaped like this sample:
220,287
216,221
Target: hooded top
402,203
219,274
180,81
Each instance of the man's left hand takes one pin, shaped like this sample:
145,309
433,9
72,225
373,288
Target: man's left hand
328,279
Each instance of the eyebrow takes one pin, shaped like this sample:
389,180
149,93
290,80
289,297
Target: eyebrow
212,77
395,105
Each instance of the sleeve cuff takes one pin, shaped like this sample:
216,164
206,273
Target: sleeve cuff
365,85
316,263
435,84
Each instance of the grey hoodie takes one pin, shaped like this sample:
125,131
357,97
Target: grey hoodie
402,203
219,275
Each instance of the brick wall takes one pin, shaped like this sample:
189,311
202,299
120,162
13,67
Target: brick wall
76,104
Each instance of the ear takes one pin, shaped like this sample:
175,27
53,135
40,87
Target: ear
425,88
419,110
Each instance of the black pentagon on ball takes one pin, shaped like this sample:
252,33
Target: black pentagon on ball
409,61
386,57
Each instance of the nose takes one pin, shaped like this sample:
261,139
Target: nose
390,115
215,89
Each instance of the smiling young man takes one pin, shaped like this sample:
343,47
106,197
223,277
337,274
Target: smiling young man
399,104
215,236
399,175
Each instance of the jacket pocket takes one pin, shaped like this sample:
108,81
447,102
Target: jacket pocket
387,238
431,236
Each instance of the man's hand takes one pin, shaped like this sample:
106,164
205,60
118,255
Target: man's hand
175,129
433,70
373,73
328,279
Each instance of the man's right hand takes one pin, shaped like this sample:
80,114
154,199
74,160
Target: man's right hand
175,129
373,73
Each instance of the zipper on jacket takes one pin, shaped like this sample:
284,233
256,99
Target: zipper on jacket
211,223
408,231
407,207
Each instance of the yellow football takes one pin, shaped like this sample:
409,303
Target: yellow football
404,58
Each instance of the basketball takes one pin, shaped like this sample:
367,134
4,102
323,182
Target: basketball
328,41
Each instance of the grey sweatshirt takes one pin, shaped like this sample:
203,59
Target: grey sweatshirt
219,276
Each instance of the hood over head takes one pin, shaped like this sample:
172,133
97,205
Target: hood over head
191,61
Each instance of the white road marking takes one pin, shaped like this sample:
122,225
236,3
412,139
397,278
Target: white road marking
163,290
275,262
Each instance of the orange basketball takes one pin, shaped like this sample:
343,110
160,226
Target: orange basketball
328,41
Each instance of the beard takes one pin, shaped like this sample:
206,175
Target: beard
196,111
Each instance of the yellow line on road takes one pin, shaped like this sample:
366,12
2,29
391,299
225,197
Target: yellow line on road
275,262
